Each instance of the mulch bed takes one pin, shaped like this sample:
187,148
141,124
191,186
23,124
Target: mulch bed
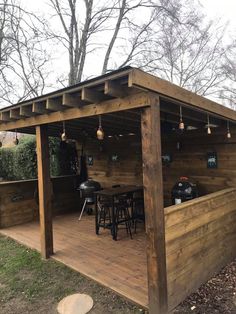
218,295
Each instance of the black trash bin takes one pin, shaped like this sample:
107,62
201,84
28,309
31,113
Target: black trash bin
183,190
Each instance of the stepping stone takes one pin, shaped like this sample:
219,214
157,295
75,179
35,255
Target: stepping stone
75,304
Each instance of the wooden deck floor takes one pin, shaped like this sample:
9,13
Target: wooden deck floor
119,265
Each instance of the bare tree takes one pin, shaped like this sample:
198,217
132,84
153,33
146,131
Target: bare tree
23,57
170,38
107,27
228,91
189,53
137,31
77,34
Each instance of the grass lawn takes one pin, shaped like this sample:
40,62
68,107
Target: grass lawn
30,285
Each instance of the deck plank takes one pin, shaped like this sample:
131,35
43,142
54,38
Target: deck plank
119,265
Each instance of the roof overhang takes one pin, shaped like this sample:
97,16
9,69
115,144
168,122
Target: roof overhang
124,89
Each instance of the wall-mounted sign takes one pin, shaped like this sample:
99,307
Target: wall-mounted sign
114,158
166,159
90,160
212,160
17,198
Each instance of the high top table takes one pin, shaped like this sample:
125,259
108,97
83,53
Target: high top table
112,194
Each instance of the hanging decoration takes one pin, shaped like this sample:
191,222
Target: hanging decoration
228,130
63,136
178,145
16,140
181,123
208,125
100,132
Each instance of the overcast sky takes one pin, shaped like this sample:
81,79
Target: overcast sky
214,9
225,9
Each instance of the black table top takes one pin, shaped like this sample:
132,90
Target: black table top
119,190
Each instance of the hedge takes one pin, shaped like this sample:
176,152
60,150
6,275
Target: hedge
20,162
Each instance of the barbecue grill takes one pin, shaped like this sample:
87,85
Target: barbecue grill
87,190
183,191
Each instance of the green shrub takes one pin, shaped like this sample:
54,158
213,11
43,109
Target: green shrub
20,162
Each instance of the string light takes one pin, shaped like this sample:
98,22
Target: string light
208,125
100,132
228,130
181,123
63,136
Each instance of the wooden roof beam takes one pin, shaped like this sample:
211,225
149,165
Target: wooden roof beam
189,113
5,116
146,81
54,104
91,95
172,119
72,100
114,105
15,114
26,111
39,108
114,89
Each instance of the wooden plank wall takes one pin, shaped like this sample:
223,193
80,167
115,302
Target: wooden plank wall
127,170
18,205
200,240
191,161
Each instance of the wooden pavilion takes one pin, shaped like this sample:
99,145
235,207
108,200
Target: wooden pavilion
190,240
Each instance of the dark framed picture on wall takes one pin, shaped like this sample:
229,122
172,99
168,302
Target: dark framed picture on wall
114,158
90,160
166,159
212,160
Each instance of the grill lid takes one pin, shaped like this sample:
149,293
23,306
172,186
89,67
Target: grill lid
90,186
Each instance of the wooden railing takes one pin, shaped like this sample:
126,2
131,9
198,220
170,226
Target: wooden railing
18,199
200,240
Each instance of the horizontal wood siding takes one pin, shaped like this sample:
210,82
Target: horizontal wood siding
127,170
200,239
191,161
18,205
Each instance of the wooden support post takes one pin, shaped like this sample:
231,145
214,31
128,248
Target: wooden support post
154,207
44,189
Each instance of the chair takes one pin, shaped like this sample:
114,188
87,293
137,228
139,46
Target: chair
104,210
138,215
122,215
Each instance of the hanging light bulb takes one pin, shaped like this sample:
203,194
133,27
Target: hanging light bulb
16,141
63,136
228,130
208,125
100,132
181,123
